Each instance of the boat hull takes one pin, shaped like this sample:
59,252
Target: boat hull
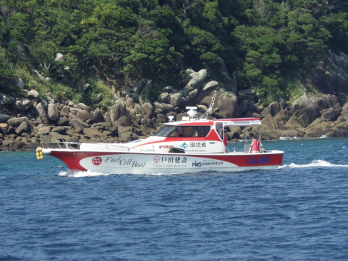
166,163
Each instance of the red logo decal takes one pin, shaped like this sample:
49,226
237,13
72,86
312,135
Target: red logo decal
156,159
96,160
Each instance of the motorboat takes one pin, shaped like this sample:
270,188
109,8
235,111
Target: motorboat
190,145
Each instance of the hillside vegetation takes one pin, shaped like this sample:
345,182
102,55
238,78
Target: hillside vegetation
112,44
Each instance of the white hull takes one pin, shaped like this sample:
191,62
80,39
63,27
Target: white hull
164,163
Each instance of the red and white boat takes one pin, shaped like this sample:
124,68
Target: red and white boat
187,146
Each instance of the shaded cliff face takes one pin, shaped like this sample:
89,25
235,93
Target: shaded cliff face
132,117
331,76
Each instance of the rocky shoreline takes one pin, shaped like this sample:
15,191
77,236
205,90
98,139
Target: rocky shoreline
22,119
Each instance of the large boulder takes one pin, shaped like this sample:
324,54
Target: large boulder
83,106
147,87
127,134
20,83
316,100
148,109
23,127
117,110
164,97
34,96
282,117
17,121
230,83
41,109
4,118
78,124
86,116
303,117
52,111
163,107
226,103
196,80
318,128
6,99
63,121
330,114
22,104
123,121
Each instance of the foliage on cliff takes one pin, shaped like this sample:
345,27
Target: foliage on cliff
269,43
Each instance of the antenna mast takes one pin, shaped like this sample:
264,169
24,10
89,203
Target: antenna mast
205,115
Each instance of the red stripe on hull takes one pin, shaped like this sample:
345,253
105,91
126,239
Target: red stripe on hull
72,158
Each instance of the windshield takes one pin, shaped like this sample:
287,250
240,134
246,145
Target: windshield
183,131
165,131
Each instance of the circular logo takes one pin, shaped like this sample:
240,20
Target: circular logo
97,161
156,159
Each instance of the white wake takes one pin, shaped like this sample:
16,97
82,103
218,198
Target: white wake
80,174
313,164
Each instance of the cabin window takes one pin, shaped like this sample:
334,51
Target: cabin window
165,131
190,131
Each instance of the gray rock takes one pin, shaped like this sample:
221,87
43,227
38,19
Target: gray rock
60,58
92,132
191,96
127,134
163,107
98,116
227,105
317,128
78,124
32,94
330,114
4,118
147,87
117,110
129,103
23,127
83,106
138,87
210,85
41,109
196,81
161,118
164,97
85,116
7,99
17,121
250,91
63,121
53,113
39,75
305,116
138,109
148,109
230,83
22,104
176,99
20,83
60,129
86,86
244,107
168,89
65,111
123,121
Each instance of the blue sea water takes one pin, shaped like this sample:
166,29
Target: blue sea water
298,212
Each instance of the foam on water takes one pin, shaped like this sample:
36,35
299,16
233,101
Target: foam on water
80,174
313,164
